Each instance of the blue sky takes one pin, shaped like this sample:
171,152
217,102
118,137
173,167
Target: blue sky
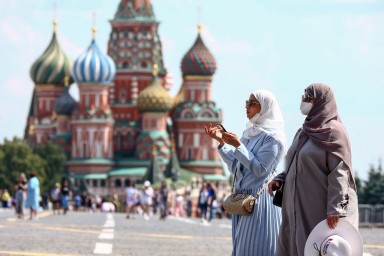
281,46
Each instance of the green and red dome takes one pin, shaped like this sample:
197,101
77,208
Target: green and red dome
198,61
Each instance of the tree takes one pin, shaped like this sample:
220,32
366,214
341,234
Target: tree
16,157
373,192
46,160
54,160
360,189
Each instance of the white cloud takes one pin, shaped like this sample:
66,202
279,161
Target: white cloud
367,33
17,31
17,86
348,1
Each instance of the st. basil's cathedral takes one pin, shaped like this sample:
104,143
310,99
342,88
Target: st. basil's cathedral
126,126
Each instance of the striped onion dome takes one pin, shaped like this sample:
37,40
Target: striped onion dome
92,66
154,98
65,104
52,66
198,61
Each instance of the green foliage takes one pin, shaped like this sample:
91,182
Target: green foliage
16,156
54,159
372,191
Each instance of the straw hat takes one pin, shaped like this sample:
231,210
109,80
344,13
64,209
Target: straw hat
344,240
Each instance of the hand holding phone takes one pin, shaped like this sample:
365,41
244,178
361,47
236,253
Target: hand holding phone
221,128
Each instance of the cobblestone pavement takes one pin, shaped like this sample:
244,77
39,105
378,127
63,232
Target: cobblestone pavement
83,233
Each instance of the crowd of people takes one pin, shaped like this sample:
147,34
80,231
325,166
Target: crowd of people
146,201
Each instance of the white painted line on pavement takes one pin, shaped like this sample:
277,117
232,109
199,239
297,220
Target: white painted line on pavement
109,224
103,248
367,254
106,233
106,236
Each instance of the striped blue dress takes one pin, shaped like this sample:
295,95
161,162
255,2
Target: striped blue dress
254,161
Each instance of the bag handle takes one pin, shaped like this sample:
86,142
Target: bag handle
260,190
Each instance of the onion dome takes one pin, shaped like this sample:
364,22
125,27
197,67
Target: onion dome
155,97
198,61
92,66
65,104
53,65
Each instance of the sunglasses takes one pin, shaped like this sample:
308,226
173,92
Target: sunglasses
306,98
250,103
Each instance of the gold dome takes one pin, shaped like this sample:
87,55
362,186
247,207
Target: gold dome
154,98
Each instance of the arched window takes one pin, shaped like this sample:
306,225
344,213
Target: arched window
117,183
125,64
126,182
118,140
188,115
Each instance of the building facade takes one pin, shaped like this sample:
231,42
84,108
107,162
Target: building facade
125,125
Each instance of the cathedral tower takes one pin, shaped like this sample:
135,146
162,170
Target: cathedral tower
195,109
135,46
48,73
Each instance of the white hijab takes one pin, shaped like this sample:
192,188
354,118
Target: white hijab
269,120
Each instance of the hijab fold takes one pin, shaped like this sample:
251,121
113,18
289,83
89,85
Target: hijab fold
323,125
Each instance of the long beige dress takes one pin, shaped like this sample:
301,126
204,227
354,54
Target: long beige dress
317,184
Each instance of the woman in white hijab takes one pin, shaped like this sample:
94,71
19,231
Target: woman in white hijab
253,159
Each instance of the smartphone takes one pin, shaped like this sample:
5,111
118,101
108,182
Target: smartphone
221,127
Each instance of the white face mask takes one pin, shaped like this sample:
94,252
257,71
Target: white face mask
305,107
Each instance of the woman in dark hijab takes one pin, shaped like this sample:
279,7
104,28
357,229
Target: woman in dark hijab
319,182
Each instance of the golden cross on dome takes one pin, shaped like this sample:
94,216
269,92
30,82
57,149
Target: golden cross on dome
54,24
94,28
155,69
199,25
54,16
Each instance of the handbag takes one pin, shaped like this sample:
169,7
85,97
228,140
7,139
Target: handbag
242,203
278,197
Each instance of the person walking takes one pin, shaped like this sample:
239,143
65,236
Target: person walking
163,200
252,160
318,180
65,195
55,198
130,199
21,186
147,199
33,195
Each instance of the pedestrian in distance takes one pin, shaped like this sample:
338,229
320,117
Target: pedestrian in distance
33,195
252,160
318,180
21,186
55,198
203,202
163,200
147,199
65,195
131,195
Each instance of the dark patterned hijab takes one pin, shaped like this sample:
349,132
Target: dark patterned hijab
323,125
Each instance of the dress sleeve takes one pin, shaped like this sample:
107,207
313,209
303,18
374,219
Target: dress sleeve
226,154
338,186
261,161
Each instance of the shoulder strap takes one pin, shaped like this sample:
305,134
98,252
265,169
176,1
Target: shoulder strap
265,185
